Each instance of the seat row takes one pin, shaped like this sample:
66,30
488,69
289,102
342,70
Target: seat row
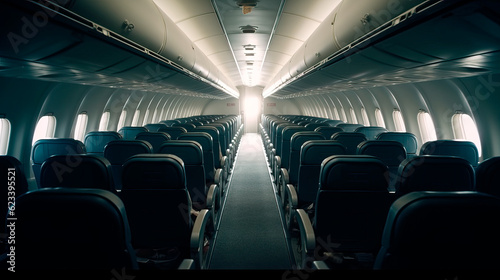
344,199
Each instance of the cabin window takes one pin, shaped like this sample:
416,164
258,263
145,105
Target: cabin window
399,123
81,126
364,115
121,121
45,128
4,135
464,128
426,127
353,116
379,118
135,119
145,121
103,124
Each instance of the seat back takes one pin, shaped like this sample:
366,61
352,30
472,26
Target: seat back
296,142
371,132
488,176
205,140
80,228
392,153
434,173
437,230
156,139
157,202
352,203
119,151
350,140
44,148
186,126
328,131
77,171
191,153
170,123
173,131
216,148
409,140
312,154
464,149
349,127
286,138
129,132
332,122
95,141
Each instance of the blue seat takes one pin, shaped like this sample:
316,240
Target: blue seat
77,171
95,141
392,153
409,140
129,132
154,127
441,231
488,176
158,206
371,132
78,229
119,151
44,148
349,127
328,131
174,131
350,210
350,140
434,173
464,149
156,139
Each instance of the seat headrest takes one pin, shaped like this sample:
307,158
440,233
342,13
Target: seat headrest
349,127
390,152
153,171
348,135
458,148
153,127
95,141
313,152
289,131
357,172
77,171
371,132
409,140
118,151
129,132
203,138
435,173
191,152
488,176
44,148
301,137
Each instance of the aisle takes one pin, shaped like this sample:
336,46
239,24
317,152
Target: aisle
250,235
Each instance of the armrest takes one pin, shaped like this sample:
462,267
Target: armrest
186,264
290,202
307,238
320,265
219,179
283,180
213,196
198,237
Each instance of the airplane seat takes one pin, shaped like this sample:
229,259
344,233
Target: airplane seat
170,123
434,173
458,148
328,131
77,171
159,208
392,153
154,127
441,230
70,228
205,140
156,139
296,142
129,132
44,148
186,126
14,184
117,152
173,131
488,176
350,140
313,126
95,141
286,148
332,123
349,127
350,212
303,194
408,139
371,132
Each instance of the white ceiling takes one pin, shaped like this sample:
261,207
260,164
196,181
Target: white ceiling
214,26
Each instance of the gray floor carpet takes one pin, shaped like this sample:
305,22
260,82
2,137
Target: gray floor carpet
250,234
